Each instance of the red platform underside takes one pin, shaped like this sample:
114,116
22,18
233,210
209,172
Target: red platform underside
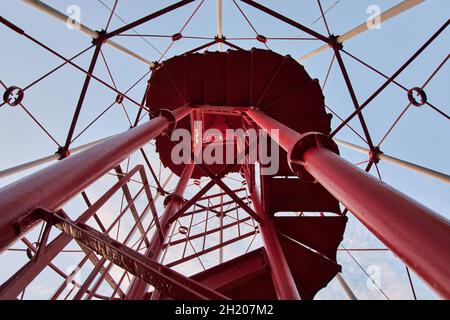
279,86
260,78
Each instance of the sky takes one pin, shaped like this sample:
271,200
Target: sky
419,137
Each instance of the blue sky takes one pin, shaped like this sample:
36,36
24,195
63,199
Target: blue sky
420,137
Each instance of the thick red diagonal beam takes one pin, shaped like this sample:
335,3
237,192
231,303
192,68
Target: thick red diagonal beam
104,272
152,171
282,277
11,288
147,18
51,187
161,277
415,233
191,201
68,279
217,179
131,233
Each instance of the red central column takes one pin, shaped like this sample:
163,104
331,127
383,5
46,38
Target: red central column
138,287
282,278
416,234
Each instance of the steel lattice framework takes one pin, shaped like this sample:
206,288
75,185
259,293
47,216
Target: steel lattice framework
162,240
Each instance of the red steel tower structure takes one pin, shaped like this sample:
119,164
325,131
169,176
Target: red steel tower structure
165,229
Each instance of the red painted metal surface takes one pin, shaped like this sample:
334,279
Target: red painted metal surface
51,187
304,230
283,280
11,288
243,278
225,100
281,274
234,81
415,233
170,282
138,287
299,254
218,84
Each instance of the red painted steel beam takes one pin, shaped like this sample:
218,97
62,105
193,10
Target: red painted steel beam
67,278
234,273
152,171
131,233
169,281
203,191
98,264
191,201
415,233
11,288
138,287
420,237
281,274
208,186
138,114
175,200
51,187
282,278
230,192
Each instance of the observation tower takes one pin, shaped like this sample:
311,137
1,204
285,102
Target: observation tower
138,221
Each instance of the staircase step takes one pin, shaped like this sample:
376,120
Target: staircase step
264,66
323,234
311,271
293,195
282,81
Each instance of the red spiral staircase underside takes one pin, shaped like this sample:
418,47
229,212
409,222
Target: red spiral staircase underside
280,87
276,84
